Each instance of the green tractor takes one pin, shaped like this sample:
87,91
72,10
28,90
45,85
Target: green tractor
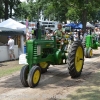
41,53
90,43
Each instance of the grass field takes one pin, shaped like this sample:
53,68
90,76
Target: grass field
7,68
88,90
9,71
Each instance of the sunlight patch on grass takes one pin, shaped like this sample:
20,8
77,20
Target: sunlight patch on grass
5,72
85,93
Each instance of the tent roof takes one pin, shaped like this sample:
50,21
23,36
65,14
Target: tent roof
10,23
89,25
79,26
8,31
72,25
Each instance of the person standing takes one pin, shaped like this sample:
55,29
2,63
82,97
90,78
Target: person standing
33,36
81,35
28,35
97,33
75,36
11,48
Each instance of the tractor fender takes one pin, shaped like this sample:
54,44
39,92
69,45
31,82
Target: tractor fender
58,57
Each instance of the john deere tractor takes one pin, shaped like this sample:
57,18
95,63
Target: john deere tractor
91,42
42,53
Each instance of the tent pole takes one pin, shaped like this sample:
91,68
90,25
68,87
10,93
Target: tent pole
22,44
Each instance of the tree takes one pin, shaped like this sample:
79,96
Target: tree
54,9
85,9
6,6
6,2
1,9
22,11
12,5
72,15
59,10
25,10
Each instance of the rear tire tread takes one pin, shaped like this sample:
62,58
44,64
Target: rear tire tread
71,60
23,75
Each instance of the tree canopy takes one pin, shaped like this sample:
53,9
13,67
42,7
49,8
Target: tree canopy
7,6
59,10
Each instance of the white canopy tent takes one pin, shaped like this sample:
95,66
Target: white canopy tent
12,24
89,25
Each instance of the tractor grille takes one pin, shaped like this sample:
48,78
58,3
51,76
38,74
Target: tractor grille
35,51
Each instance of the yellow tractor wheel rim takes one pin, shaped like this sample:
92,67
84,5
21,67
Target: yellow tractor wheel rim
91,52
67,36
36,76
79,59
43,64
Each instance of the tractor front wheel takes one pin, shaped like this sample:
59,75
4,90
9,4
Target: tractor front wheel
34,76
23,75
44,66
76,59
90,52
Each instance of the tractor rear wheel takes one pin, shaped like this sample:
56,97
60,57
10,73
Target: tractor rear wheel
44,66
34,76
23,75
76,59
90,52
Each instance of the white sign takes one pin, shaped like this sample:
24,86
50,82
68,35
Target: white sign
22,59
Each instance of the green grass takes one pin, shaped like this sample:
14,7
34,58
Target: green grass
88,90
8,71
85,93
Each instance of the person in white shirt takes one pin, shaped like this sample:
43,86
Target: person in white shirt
11,47
97,33
81,36
75,36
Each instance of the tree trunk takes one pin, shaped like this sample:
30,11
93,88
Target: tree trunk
6,9
84,20
11,11
84,16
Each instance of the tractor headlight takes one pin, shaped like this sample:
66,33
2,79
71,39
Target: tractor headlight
38,50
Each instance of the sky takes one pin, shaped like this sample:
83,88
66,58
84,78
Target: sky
22,0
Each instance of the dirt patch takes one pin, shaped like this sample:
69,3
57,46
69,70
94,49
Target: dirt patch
56,84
